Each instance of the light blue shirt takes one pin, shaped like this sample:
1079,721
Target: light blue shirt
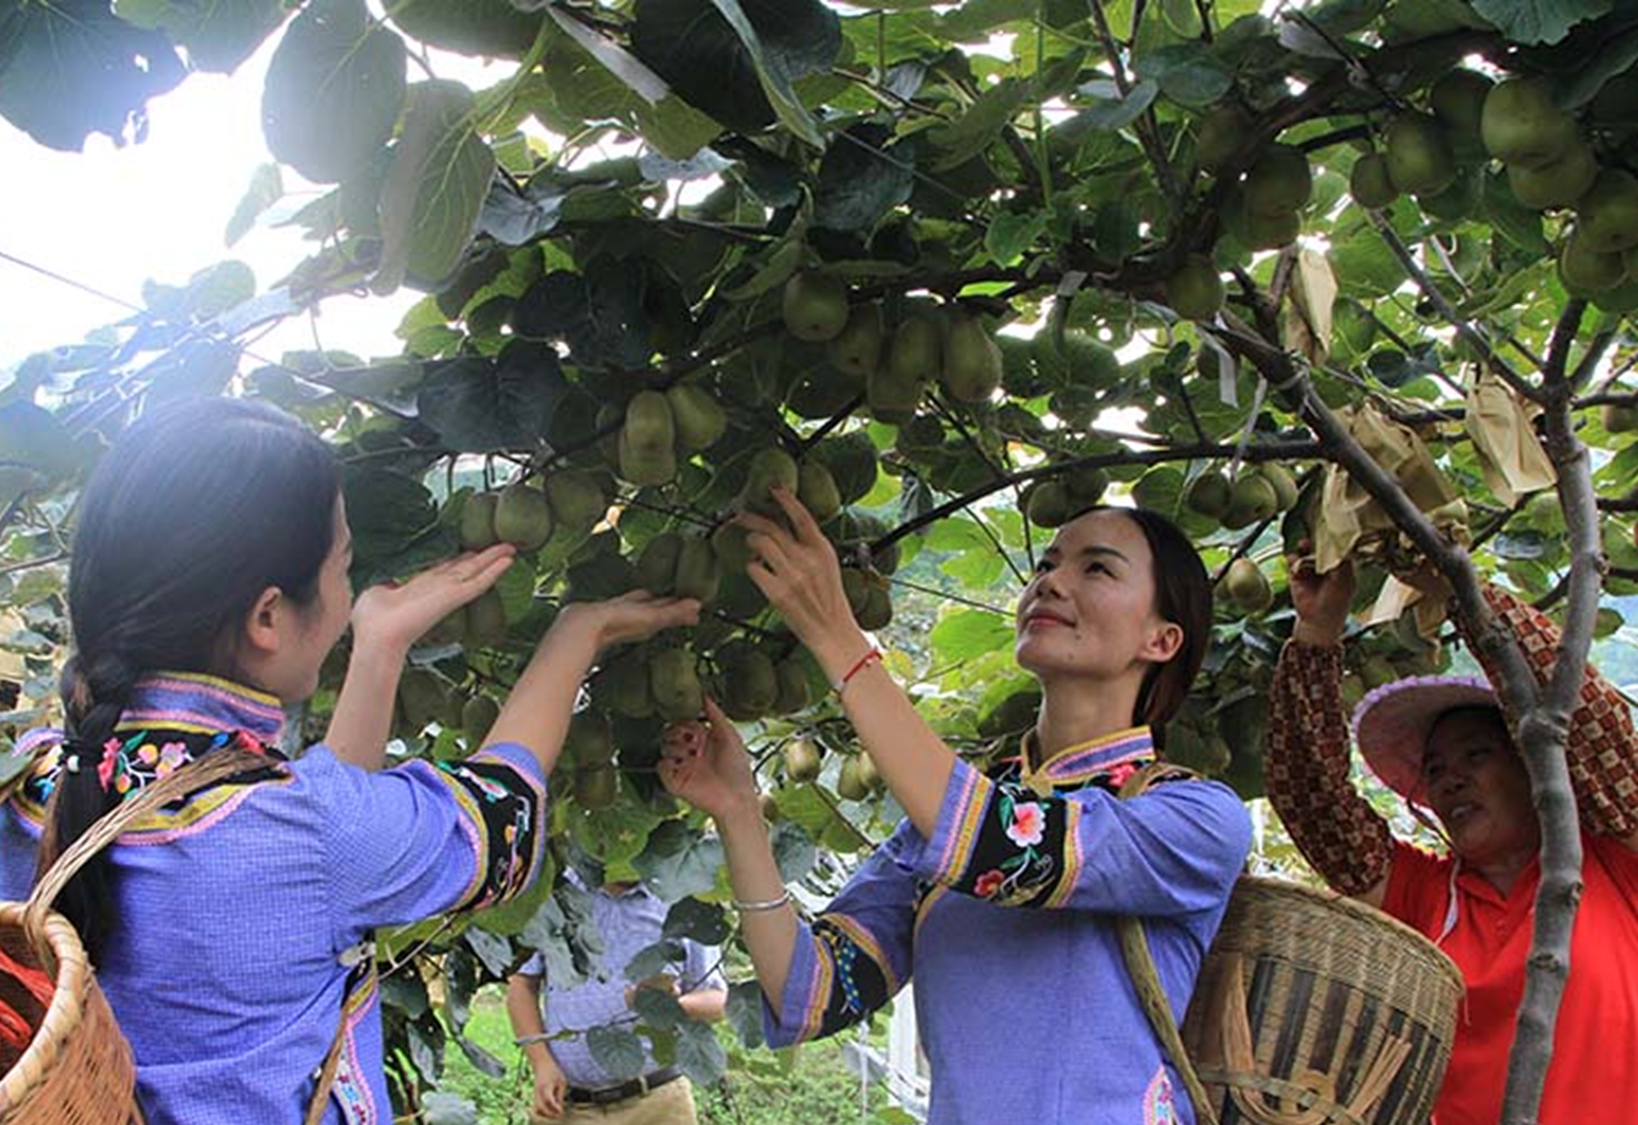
629,922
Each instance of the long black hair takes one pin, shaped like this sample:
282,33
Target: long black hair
1183,597
193,513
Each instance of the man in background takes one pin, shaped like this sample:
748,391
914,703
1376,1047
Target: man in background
569,1084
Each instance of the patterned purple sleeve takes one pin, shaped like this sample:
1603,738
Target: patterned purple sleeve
1174,850
423,839
855,956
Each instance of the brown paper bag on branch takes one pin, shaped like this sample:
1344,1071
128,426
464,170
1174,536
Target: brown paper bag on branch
1510,453
1348,522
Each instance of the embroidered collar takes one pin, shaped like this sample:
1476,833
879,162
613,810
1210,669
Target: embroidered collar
200,704
1118,753
173,718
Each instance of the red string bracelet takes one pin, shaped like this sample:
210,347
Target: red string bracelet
868,658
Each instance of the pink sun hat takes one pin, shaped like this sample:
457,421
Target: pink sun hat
1391,723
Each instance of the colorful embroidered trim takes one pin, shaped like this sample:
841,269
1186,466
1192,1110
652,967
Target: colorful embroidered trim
201,704
504,807
850,982
1086,760
1014,846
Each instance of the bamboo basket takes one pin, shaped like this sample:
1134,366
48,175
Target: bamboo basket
1312,1009
77,1068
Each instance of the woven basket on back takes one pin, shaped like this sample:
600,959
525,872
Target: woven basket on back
1313,1009
77,1069
1310,1009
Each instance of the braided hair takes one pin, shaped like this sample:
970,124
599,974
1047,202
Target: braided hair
193,513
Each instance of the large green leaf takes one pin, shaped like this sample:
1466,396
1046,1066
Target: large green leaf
619,62
979,127
790,38
704,922
48,53
618,1051
700,1054
738,65
334,90
31,436
1540,21
965,633
481,405
679,861
599,314
492,28
861,178
435,187
1187,73
218,34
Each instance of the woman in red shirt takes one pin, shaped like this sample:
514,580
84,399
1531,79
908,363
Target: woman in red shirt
1441,743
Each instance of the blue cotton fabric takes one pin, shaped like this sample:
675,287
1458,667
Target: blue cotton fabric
226,968
1025,1011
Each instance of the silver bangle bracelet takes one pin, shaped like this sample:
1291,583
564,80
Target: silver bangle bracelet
765,904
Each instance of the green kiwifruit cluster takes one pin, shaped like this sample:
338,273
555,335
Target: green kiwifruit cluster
1256,494
662,429
894,364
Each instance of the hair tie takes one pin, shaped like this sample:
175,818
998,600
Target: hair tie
72,763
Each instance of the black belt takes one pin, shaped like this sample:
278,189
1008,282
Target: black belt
608,1095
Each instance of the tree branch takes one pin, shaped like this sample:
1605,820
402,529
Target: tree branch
1519,688
1597,349
1147,130
1543,731
1466,331
1558,346
1273,451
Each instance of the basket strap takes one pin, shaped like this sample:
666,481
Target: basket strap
190,779
1140,965
360,979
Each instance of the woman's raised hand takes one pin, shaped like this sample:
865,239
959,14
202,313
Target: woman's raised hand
629,617
798,572
1321,601
706,765
395,615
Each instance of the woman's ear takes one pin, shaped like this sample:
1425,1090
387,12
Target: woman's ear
1164,642
264,627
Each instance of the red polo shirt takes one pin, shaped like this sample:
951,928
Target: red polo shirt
1594,1073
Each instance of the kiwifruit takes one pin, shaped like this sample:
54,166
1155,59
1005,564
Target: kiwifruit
697,417
1209,494
1369,182
1418,155
523,517
478,521
1195,290
815,306
1520,123
856,352
972,361
1280,182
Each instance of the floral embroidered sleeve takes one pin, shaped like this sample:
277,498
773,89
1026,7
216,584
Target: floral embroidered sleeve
1603,748
855,956
423,838
1305,764
1175,850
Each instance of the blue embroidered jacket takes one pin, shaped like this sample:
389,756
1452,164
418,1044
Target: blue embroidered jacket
227,967
1005,916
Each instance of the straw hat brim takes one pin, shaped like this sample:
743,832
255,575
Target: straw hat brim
1391,723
